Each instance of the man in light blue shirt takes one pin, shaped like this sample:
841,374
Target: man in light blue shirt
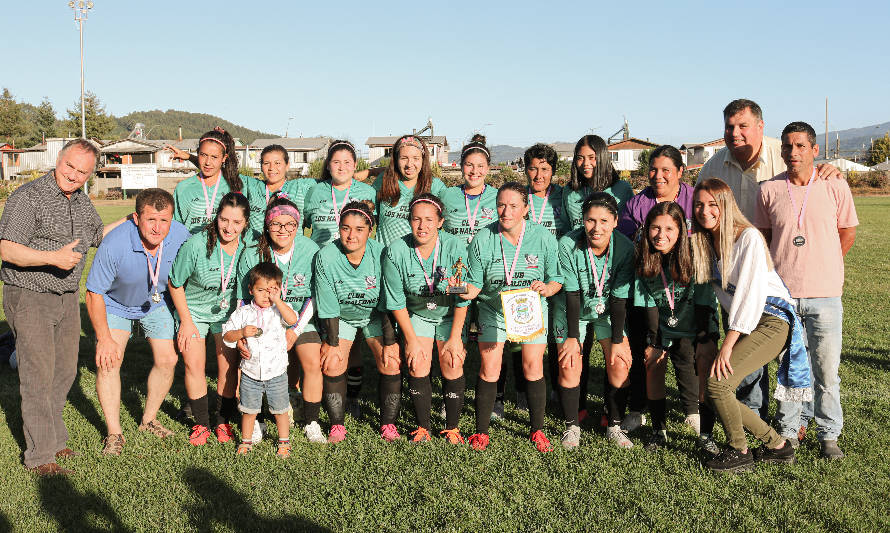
128,283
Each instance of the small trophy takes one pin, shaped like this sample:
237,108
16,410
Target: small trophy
457,285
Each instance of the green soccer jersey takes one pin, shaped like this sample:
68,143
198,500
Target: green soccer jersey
537,260
392,220
320,213
192,207
483,208
294,190
549,212
202,278
255,191
342,290
297,280
405,285
573,200
650,292
574,261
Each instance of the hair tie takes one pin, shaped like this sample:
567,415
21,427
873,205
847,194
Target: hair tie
411,206
343,143
476,147
284,209
219,130
354,210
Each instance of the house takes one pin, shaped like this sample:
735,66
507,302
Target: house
10,160
882,167
696,154
844,165
40,157
625,154
301,152
115,155
379,147
564,151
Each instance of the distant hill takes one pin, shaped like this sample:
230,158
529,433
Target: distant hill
165,125
500,153
854,141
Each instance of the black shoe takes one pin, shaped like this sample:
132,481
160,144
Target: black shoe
657,441
830,450
785,454
731,460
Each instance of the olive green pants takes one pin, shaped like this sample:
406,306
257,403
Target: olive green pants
750,352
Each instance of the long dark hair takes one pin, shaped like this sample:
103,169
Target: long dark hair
335,147
230,165
389,190
231,199
649,262
604,176
262,244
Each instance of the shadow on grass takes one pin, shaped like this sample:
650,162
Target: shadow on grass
221,506
77,511
4,523
11,404
873,357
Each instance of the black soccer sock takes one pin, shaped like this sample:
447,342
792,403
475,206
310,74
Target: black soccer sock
453,390
521,383
502,379
226,409
354,377
485,393
310,412
199,411
333,398
537,402
421,392
707,418
390,388
657,409
568,396
616,403
553,366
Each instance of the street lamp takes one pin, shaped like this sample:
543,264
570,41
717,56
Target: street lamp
81,11
286,128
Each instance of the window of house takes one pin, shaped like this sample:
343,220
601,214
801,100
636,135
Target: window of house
614,156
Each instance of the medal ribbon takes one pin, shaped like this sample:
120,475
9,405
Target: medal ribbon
222,267
599,282
471,219
509,275
334,200
540,219
260,323
209,203
430,283
668,294
806,196
154,275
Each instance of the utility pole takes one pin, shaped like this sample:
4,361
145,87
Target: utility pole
81,12
826,127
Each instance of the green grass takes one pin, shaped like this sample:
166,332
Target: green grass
365,484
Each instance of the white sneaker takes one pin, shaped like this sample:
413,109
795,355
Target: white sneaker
571,437
694,421
633,421
314,434
617,435
258,429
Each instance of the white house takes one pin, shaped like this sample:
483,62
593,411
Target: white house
40,157
626,154
844,165
564,151
696,154
379,147
301,152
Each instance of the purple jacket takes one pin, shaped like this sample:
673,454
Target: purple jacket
635,210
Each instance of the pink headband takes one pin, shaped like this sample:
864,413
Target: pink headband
279,210
425,200
354,210
214,139
412,141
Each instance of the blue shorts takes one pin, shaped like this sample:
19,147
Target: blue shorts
157,324
252,394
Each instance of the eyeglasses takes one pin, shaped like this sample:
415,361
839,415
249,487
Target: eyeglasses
278,226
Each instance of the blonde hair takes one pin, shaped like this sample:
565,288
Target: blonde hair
732,223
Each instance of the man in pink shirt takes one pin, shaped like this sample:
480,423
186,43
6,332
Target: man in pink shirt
810,225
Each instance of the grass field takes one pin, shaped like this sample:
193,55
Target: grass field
366,485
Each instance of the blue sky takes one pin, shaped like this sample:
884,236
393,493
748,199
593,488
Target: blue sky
521,72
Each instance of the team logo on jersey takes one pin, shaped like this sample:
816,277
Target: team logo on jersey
440,271
560,333
531,261
370,282
299,280
488,213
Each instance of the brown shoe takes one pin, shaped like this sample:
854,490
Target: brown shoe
155,428
50,469
114,444
66,453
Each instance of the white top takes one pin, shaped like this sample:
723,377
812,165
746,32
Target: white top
268,352
753,282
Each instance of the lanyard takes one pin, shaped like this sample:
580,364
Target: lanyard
260,312
471,219
431,283
154,275
806,197
599,281
334,200
668,294
509,275
210,203
540,219
222,267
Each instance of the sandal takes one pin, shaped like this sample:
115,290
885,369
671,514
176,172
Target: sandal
283,450
244,448
114,444
155,428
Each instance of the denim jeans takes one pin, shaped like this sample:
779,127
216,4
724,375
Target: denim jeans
823,325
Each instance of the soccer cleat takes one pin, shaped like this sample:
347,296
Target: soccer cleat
313,433
617,436
479,441
657,440
420,435
707,445
731,460
199,435
337,433
633,421
694,421
571,437
389,432
283,451
453,435
224,432
542,443
244,448
785,454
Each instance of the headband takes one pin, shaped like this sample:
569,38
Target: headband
359,211
476,147
214,139
343,143
411,141
424,200
284,209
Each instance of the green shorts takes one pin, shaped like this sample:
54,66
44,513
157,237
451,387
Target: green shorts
203,327
432,330
373,329
491,327
602,328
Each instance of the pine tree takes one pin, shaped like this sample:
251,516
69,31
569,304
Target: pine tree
44,121
879,151
98,123
12,121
